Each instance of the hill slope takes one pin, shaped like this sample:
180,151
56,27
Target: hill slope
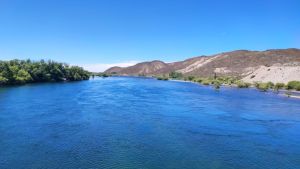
249,65
144,68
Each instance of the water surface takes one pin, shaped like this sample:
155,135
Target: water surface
140,123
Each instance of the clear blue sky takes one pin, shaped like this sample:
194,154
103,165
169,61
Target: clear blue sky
117,31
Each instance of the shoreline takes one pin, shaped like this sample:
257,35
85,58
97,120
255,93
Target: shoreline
281,92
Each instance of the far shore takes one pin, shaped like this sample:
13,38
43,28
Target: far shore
282,92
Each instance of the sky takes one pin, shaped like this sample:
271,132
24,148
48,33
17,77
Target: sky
97,34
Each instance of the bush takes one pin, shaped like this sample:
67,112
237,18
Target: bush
227,80
217,84
200,80
241,84
175,75
270,85
279,86
206,82
293,85
263,86
162,78
256,84
105,75
191,78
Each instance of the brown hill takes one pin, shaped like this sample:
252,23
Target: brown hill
115,69
240,63
144,68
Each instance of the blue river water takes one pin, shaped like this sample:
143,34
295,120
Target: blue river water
141,123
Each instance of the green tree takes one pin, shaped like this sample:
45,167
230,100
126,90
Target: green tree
22,77
27,71
3,80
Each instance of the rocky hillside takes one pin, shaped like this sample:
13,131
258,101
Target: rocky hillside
115,69
278,65
144,68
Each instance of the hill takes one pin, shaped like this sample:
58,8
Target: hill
277,65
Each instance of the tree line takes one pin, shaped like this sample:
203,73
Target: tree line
26,71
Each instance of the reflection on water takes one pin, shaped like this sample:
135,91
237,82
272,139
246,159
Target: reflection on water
138,123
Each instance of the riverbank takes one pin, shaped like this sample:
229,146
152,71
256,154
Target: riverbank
278,88
282,92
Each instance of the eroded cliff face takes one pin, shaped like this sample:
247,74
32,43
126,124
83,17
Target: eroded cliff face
277,73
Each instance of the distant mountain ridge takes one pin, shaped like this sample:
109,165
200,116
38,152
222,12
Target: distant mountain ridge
240,63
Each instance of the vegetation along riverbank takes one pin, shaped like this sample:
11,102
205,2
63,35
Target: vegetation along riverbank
273,69
291,89
16,72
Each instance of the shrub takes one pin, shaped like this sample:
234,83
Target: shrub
256,84
270,85
200,80
279,86
162,78
105,75
293,85
229,80
214,81
217,84
175,75
241,84
191,78
206,82
263,86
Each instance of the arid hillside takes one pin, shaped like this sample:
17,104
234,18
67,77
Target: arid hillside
278,65
144,68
